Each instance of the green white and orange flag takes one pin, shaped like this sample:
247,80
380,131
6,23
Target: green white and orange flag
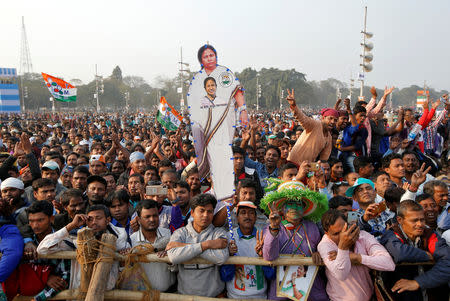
168,116
59,89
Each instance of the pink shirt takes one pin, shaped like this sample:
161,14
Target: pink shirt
347,282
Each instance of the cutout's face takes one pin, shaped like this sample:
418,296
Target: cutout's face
364,194
211,88
431,210
209,59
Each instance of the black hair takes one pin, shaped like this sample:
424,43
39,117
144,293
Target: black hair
41,206
81,169
99,207
359,109
339,200
121,195
247,183
275,148
183,184
96,178
375,176
208,79
330,217
69,194
238,150
335,187
386,161
202,49
285,167
136,175
203,200
408,152
146,204
361,162
333,161
392,195
39,183
423,196
165,163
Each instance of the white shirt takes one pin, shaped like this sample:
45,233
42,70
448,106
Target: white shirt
62,241
244,284
159,275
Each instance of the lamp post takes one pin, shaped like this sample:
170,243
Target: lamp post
258,91
366,56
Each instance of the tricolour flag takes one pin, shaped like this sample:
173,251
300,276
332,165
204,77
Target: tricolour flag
168,116
421,97
60,90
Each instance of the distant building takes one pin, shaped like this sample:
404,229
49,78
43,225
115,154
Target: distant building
9,91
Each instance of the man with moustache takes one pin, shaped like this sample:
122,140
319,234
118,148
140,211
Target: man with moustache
158,274
73,204
411,241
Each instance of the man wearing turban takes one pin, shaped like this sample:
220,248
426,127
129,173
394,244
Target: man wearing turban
315,140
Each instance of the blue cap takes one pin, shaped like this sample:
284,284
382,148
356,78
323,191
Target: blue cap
358,182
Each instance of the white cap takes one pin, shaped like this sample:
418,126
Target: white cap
50,165
12,182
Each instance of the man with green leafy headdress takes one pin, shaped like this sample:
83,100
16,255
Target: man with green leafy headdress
292,230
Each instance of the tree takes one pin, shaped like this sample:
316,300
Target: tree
117,74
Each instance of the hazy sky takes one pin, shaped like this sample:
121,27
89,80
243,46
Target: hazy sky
316,37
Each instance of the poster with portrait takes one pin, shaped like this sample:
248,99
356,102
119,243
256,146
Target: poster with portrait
295,282
215,98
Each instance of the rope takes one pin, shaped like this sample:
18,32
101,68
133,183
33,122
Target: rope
150,295
132,264
87,251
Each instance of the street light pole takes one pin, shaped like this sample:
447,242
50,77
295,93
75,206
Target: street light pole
96,89
257,92
364,52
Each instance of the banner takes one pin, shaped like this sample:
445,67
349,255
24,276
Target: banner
421,97
167,116
59,89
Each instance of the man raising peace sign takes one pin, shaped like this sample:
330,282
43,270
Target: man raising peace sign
315,141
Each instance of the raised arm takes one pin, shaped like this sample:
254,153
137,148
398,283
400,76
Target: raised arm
306,122
397,127
382,103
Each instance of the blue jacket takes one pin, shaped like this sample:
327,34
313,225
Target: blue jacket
11,246
397,245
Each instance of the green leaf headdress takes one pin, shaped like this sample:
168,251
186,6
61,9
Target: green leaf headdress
314,203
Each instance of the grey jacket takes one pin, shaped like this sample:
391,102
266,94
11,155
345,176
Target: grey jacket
198,279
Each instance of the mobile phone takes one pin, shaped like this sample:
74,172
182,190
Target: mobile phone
352,217
155,190
314,166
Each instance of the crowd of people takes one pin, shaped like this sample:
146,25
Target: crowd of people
358,194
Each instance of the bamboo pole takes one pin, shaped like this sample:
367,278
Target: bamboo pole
87,247
132,296
102,267
238,260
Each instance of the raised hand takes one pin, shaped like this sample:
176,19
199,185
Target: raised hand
436,104
348,236
26,144
419,177
291,98
274,217
246,134
347,104
388,91
373,91
259,243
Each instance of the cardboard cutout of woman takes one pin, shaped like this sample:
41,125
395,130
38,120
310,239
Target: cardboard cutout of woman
214,97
